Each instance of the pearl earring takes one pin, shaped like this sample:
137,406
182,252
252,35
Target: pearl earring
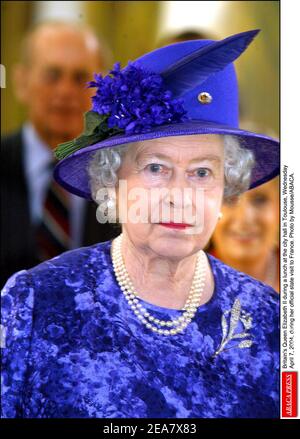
111,209
111,203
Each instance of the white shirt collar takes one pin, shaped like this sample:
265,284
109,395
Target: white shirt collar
37,148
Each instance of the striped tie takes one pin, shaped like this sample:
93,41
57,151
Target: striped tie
53,234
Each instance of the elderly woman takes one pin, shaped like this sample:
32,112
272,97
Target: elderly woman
148,325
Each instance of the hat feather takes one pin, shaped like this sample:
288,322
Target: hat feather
196,67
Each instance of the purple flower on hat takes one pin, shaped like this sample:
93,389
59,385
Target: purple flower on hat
135,100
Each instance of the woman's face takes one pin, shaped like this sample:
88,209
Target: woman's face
249,227
181,176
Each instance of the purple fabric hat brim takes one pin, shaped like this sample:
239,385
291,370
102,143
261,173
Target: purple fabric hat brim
71,172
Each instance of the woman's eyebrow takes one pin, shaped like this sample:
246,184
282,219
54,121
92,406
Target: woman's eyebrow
208,157
152,155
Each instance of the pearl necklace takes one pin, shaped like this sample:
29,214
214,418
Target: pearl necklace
190,306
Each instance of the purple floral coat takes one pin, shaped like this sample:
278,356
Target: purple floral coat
72,347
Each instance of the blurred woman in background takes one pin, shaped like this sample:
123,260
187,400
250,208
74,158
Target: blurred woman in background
247,235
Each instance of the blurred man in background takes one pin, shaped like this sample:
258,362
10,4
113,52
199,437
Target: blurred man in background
38,218
185,35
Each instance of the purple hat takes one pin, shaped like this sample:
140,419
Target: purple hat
182,89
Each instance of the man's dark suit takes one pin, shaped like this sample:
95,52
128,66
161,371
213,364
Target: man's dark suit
18,248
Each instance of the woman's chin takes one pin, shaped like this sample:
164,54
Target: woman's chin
172,248
244,253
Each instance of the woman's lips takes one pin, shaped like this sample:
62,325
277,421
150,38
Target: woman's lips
175,225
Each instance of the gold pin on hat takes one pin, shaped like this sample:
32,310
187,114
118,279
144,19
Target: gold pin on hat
204,97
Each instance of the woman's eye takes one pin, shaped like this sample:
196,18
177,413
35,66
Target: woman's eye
202,172
155,168
260,200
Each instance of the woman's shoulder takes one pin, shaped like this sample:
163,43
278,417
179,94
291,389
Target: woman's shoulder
80,261
42,303
55,279
232,283
51,287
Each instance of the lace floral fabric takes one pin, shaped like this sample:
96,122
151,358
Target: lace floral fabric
74,348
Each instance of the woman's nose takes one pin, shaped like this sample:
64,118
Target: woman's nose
244,212
180,193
